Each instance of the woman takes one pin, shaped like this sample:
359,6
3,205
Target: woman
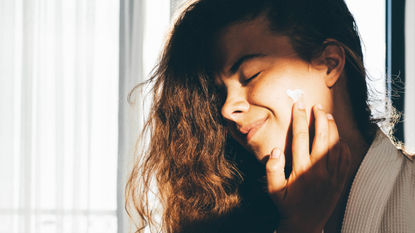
231,151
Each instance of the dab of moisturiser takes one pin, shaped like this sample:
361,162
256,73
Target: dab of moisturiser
295,95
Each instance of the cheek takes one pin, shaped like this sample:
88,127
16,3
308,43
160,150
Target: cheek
272,98
271,94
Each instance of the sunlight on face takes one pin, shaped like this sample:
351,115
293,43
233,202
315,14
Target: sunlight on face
255,70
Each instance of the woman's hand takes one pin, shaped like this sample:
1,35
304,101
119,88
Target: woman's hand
308,197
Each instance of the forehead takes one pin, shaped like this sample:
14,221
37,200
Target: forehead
241,39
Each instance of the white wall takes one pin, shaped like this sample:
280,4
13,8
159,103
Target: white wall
372,30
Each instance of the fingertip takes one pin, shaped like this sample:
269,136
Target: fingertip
275,175
275,153
300,104
275,162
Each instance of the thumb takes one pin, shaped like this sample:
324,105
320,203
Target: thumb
275,175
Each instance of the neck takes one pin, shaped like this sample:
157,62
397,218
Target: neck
358,147
349,132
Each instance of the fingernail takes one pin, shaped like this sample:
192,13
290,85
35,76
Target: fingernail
319,106
329,116
301,105
275,154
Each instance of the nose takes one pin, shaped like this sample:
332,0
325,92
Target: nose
235,106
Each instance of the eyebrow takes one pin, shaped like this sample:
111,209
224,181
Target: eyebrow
243,59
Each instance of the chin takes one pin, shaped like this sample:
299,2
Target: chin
264,149
263,153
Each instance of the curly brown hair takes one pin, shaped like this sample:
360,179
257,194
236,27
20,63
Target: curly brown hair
204,180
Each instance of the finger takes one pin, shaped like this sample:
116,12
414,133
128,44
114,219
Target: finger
344,163
320,146
276,182
300,144
333,145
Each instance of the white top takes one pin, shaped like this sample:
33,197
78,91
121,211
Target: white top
382,197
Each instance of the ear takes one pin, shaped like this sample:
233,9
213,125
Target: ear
333,57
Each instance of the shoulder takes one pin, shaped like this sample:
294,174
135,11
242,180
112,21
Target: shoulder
409,159
395,166
399,211
382,197
383,142
407,173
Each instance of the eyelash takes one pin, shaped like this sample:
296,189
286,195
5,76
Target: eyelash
251,78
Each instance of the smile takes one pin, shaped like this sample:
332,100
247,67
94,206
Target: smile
250,130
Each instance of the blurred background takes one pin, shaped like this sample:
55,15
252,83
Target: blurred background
67,133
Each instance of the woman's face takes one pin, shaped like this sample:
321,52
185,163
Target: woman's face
255,70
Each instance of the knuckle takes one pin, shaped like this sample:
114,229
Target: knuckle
272,168
302,135
323,136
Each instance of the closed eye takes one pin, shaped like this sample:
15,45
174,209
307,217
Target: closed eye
251,78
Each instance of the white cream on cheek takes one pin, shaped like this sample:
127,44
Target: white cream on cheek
295,95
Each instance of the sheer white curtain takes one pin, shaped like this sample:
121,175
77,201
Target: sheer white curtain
143,24
58,127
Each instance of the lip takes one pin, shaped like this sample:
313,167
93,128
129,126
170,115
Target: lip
249,130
